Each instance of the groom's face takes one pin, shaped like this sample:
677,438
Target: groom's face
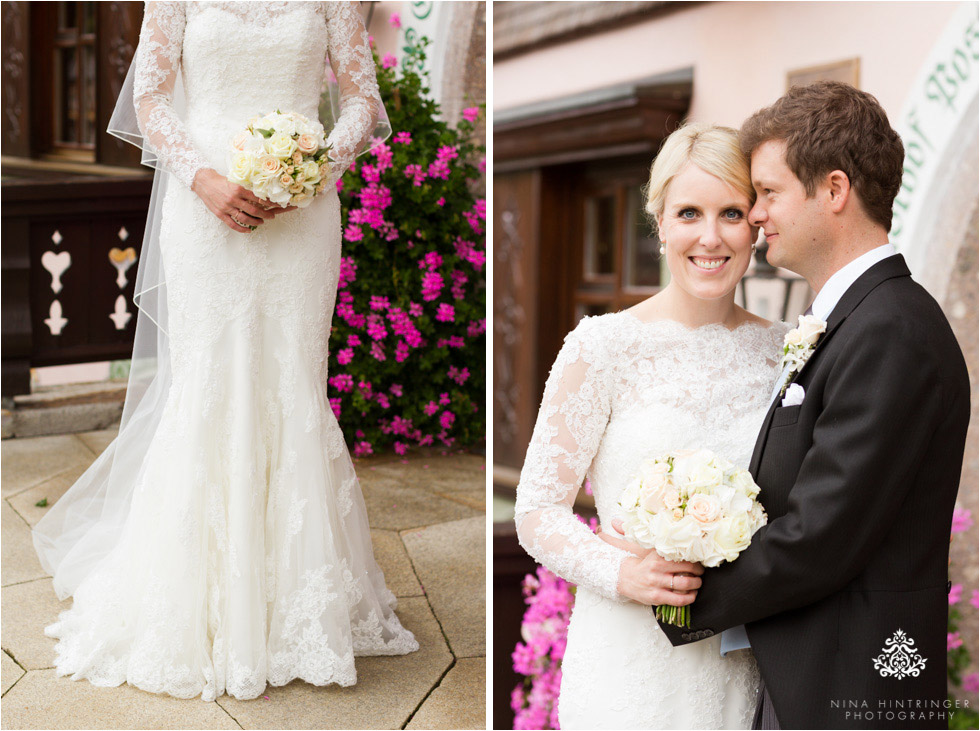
791,221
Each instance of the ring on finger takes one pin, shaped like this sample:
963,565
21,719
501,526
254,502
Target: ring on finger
672,582
233,218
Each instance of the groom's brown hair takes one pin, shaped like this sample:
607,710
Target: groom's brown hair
830,125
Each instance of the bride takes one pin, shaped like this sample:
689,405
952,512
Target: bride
684,369
221,542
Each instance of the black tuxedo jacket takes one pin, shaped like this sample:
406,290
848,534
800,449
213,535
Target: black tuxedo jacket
859,483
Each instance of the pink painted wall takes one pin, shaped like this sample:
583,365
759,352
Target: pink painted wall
740,52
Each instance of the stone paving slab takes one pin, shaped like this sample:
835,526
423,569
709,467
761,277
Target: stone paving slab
438,474
388,689
29,462
20,562
10,672
97,441
393,505
459,701
43,700
472,498
449,560
25,503
389,552
27,610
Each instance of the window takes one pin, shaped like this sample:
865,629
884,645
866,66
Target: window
74,68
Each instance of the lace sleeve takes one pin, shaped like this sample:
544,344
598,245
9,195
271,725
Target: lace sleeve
157,66
353,64
570,425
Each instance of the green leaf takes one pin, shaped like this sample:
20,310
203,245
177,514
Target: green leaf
42,503
267,133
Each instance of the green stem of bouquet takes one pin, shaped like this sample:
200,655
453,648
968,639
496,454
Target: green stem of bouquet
677,616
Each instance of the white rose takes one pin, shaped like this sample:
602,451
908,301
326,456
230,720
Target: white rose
704,477
811,328
240,139
641,529
242,167
794,338
311,171
743,482
704,508
726,539
280,145
307,143
267,167
675,539
630,496
285,124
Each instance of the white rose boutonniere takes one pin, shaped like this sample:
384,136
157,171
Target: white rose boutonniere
798,345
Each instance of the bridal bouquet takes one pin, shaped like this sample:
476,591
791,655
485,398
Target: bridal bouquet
281,158
691,505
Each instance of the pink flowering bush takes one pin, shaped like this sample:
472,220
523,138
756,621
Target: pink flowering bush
544,629
957,654
409,332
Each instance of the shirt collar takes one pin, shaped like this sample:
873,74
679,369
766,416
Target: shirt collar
835,287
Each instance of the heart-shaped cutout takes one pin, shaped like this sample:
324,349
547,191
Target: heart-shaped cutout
56,264
120,256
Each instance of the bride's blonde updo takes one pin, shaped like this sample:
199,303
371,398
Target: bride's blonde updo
712,148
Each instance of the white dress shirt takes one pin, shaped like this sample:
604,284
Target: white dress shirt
823,304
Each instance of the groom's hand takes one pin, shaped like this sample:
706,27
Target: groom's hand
647,578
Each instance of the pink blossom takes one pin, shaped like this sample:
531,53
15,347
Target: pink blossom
961,520
388,61
383,155
432,260
471,114
396,390
441,202
379,303
335,407
955,594
400,447
362,449
454,341
403,138
953,640
370,173
444,399
480,208
348,271
416,173
476,327
376,329
446,313
375,196
425,441
430,408
970,684
414,309
431,285
975,599
474,220
343,382
458,374
377,352
483,165
382,400
447,152
401,351
438,169
395,20
353,233
353,340
339,184
446,419
345,356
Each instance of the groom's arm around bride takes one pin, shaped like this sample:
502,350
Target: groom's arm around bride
844,592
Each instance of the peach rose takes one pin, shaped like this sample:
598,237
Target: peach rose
307,144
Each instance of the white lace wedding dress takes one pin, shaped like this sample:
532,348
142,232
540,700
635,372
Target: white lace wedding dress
246,558
620,391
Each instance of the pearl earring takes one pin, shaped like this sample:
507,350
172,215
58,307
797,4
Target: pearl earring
663,249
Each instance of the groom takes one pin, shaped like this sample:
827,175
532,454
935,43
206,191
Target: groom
844,593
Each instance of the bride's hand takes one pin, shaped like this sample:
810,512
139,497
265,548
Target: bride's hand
237,207
647,578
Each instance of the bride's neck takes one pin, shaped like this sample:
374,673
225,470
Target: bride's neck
673,303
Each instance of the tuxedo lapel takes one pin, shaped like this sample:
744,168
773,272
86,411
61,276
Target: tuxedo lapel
893,266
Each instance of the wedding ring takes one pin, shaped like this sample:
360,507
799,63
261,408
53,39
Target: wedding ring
237,221
672,582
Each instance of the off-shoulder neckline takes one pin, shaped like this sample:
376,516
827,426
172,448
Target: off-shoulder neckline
775,325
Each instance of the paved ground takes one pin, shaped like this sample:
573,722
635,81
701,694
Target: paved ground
427,515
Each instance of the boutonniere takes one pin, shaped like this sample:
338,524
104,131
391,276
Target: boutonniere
798,345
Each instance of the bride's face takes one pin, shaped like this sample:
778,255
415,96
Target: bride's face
706,232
